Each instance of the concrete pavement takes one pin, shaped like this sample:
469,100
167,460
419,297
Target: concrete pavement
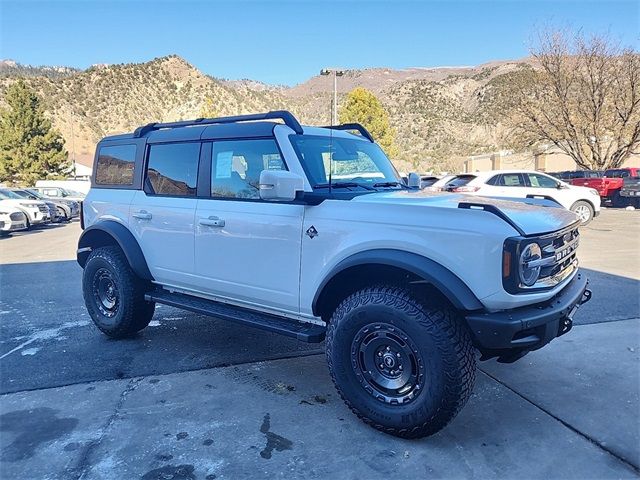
283,419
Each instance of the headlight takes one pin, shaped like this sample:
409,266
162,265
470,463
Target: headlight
29,205
529,274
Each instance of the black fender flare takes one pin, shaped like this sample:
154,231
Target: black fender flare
449,284
93,236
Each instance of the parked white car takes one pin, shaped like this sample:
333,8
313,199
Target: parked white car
11,219
58,193
36,211
584,202
440,184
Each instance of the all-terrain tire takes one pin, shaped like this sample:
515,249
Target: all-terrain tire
114,294
441,347
584,210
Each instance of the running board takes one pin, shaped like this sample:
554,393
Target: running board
305,332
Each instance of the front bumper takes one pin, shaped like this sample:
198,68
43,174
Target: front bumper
512,333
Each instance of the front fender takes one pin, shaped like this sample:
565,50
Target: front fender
110,232
452,287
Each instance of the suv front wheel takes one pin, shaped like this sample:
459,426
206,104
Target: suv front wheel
402,366
114,294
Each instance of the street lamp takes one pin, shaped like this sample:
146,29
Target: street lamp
336,73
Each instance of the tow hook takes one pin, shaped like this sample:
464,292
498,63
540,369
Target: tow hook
586,296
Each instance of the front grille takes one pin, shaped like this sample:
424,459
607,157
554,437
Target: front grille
559,257
17,216
43,208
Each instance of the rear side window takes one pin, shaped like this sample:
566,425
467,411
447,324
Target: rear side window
115,165
493,180
172,169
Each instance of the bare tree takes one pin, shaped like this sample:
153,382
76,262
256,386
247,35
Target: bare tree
584,99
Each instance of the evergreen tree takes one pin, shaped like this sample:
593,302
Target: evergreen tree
362,106
30,149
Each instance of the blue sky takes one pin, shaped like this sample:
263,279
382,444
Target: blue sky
287,42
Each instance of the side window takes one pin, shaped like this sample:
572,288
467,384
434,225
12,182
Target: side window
172,169
236,166
511,180
541,181
493,180
115,165
51,192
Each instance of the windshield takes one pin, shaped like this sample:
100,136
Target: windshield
8,194
34,194
617,173
71,193
343,161
21,193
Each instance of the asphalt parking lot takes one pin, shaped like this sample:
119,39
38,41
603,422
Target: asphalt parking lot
194,397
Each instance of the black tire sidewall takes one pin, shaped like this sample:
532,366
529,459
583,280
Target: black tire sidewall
106,324
396,417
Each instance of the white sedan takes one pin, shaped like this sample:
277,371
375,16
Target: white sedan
584,202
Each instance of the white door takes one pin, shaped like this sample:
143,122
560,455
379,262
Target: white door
505,185
546,186
162,216
247,250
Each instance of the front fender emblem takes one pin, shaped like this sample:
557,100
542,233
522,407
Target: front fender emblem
312,232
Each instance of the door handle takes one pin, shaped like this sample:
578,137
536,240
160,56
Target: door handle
211,222
142,215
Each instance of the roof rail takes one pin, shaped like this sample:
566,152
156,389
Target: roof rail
353,126
283,115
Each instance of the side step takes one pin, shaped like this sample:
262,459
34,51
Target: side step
305,332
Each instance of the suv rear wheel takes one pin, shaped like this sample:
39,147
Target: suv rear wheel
403,367
114,295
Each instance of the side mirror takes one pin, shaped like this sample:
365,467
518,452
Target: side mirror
414,180
280,185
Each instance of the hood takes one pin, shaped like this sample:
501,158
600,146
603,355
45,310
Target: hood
20,202
527,215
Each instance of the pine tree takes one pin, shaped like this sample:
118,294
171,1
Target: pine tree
30,149
362,106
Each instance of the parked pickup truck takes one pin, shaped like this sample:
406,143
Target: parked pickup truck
610,184
630,191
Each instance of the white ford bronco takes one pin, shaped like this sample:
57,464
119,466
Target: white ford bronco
310,232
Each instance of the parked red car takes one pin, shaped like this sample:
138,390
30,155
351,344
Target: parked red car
610,184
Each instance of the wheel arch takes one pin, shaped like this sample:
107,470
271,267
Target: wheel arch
394,264
110,232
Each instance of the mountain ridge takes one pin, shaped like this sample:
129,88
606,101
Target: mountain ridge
441,114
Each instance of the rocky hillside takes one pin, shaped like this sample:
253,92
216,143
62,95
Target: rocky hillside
441,115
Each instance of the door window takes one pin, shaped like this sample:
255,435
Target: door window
236,166
172,169
511,180
541,181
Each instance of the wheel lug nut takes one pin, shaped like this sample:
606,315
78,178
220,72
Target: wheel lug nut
388,348
381,366
400,367
398,355
379,354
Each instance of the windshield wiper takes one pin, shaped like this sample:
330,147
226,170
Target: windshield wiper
342,185
390,184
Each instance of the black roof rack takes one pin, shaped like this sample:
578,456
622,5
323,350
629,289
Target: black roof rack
353,126
285,116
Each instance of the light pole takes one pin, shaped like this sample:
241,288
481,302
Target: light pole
336,73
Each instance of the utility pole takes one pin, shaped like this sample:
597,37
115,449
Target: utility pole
336,73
